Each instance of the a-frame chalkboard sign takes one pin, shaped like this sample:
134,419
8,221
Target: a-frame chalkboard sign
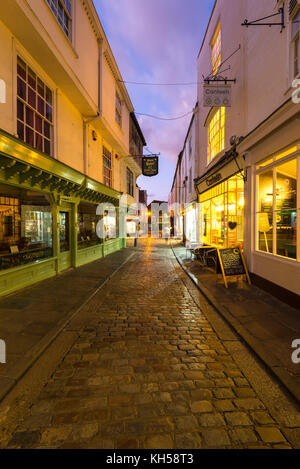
231,263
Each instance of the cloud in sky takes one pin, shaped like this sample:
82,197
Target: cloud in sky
157,41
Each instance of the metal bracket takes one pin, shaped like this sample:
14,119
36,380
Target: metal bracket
257,22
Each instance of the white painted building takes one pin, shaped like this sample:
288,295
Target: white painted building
257,208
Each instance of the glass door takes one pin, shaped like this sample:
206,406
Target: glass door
64,240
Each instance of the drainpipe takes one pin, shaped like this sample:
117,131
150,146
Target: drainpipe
87,121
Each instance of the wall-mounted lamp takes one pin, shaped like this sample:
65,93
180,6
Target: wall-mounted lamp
94,135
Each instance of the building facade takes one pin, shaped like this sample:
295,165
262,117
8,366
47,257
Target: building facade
64,140
249,166
183,196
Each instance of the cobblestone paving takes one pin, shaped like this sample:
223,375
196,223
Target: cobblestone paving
148,371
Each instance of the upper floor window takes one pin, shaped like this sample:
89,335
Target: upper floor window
130,180
190,147
216,134
63,12
296,43
107,167
34,109
118,110
216,49
191,181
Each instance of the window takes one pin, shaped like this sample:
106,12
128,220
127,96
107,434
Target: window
216,50
118,110
130,180
222,209
87,222
63,12
34,109
216,134
296,44
25,227
107,167
277,209
190,147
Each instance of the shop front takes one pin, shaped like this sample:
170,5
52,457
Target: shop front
276,204
191,223
221,207
47,216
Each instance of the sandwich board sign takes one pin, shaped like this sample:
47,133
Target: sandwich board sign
217,95
231,262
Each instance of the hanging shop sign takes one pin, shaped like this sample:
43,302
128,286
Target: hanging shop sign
150,166
231,263
217,95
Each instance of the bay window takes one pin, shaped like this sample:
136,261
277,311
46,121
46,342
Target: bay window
277,207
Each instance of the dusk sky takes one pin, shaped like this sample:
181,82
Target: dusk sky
157,41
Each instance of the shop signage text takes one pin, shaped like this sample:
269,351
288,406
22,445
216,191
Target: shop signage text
150,166
213,179
216,95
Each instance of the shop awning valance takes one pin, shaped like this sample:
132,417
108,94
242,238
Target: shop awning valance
24,166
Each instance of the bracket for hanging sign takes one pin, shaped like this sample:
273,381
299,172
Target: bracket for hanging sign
258,22
218,79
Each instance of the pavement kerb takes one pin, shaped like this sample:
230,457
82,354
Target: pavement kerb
268,360
29,359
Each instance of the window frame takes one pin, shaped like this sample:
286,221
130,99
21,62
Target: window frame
40,99
118,109
295,44
216,49
107,166
53,5
129,182
218,135
276,160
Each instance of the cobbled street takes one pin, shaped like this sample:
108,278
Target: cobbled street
149,371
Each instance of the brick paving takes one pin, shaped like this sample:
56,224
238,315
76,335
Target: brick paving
148,371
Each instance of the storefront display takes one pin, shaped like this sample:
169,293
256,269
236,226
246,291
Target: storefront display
222,214
277,208
87,222
191,223
25,227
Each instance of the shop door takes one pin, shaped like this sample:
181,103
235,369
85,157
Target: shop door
64,240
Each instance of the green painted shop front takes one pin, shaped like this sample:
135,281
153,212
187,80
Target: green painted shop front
47,216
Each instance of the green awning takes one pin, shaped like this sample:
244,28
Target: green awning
24,166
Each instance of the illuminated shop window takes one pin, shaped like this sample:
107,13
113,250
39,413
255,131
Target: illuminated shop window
277,209
34,109
25,227
216,50
216,134
63,11
223,214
